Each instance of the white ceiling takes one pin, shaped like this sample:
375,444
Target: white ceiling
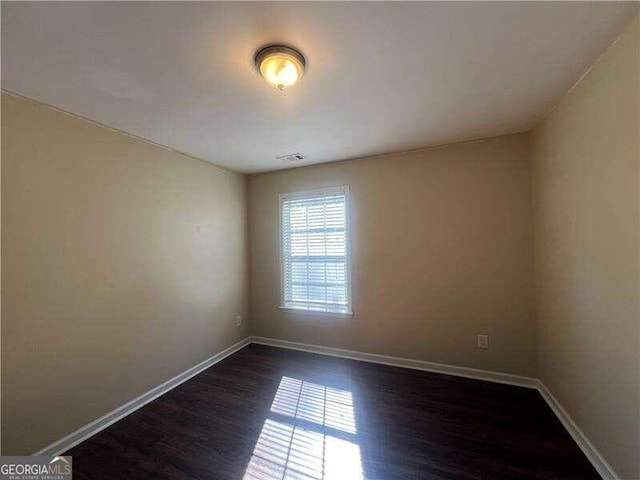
381,77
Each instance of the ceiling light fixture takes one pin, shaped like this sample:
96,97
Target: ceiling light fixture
281,66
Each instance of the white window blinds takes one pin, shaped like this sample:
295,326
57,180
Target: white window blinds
315,252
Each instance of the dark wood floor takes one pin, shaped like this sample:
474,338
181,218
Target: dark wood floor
268,413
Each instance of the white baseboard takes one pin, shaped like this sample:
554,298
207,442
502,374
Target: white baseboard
605,470
598,461
466,372
103,422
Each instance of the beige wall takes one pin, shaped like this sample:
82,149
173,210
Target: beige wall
587,214
123,264
442,247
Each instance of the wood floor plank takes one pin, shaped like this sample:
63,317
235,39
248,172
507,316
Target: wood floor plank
334,419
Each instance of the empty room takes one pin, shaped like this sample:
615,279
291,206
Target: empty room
320,240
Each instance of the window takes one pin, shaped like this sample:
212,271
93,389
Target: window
315,251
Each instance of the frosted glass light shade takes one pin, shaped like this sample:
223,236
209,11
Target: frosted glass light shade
280,66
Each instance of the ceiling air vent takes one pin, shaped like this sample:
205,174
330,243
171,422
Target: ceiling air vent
292,158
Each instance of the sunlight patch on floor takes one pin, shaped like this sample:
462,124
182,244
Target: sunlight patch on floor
315,403
317,442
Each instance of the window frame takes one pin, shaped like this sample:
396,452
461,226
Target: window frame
344,189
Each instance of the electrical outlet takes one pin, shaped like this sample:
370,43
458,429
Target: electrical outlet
238,320
483,341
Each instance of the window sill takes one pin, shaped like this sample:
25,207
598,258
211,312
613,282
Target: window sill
321,313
